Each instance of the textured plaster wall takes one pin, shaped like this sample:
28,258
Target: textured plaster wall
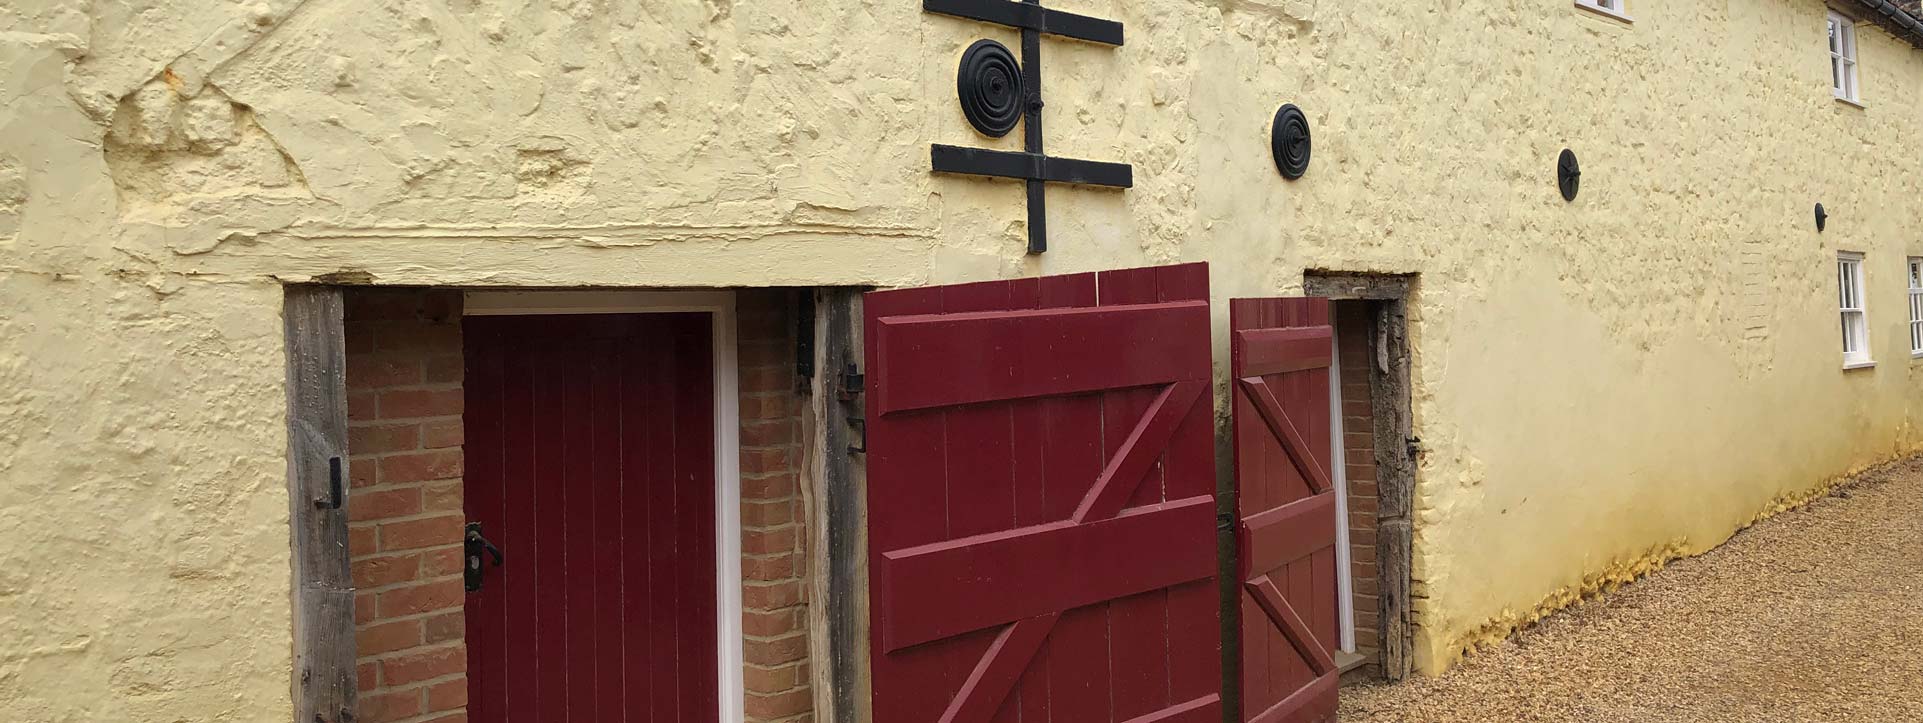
1597,383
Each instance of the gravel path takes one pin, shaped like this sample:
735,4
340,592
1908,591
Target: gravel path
1813,615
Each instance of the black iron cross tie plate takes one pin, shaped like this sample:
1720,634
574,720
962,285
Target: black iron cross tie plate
1031,165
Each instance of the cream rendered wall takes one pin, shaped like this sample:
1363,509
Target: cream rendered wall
1597,385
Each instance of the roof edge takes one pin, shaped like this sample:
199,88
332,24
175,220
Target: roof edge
1898,17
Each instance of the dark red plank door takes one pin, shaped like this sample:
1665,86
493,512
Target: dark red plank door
590,462
1041,491
1285,502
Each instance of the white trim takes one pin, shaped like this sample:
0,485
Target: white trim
1615,13
1853,307
1344,571
720,306
1843,57
1913,275
727,518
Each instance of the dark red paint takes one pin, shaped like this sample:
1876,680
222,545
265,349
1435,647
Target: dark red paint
590,462
1041,486
1280,355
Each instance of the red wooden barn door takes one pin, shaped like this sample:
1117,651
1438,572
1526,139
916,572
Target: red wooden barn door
1041,500
590,462
1285,501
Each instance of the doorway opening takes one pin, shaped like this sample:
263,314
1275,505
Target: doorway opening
596,426
1375,467
421,455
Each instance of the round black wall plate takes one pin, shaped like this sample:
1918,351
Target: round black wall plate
989,83
1568,174
1289,141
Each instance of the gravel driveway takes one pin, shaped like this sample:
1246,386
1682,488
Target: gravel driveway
1813,615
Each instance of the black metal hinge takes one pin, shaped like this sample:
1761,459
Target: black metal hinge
336,493
852,382
860,428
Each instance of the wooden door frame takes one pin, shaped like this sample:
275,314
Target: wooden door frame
1396,448
324,677
720,307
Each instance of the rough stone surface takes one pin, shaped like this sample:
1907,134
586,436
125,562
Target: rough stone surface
1808,616
1638,372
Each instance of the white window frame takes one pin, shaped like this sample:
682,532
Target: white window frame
1915,273
1618,9
1843,60
1855,316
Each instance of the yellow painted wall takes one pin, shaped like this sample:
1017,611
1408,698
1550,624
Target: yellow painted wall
1638,372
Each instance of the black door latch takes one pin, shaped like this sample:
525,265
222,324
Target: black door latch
477,546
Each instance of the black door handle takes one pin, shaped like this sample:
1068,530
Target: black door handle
334,494
477,546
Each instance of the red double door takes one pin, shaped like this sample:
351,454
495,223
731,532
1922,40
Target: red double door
1042,508
590,464
1042,503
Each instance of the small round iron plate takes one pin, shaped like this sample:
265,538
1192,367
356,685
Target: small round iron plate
1822,218
989,83
1289,141
1568,174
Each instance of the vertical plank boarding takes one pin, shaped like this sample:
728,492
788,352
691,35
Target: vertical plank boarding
1280,355
592,466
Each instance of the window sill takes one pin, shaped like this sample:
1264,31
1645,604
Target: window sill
1606,12
1918,354
1857,104
1855,365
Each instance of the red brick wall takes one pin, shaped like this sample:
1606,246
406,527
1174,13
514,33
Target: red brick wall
404,429
404,514
1355,337
773,557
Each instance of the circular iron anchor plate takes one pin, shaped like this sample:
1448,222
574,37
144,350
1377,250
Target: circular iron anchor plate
1568,175
989,83
1289,141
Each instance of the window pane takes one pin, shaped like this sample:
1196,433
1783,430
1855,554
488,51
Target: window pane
1835,47
1849,283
